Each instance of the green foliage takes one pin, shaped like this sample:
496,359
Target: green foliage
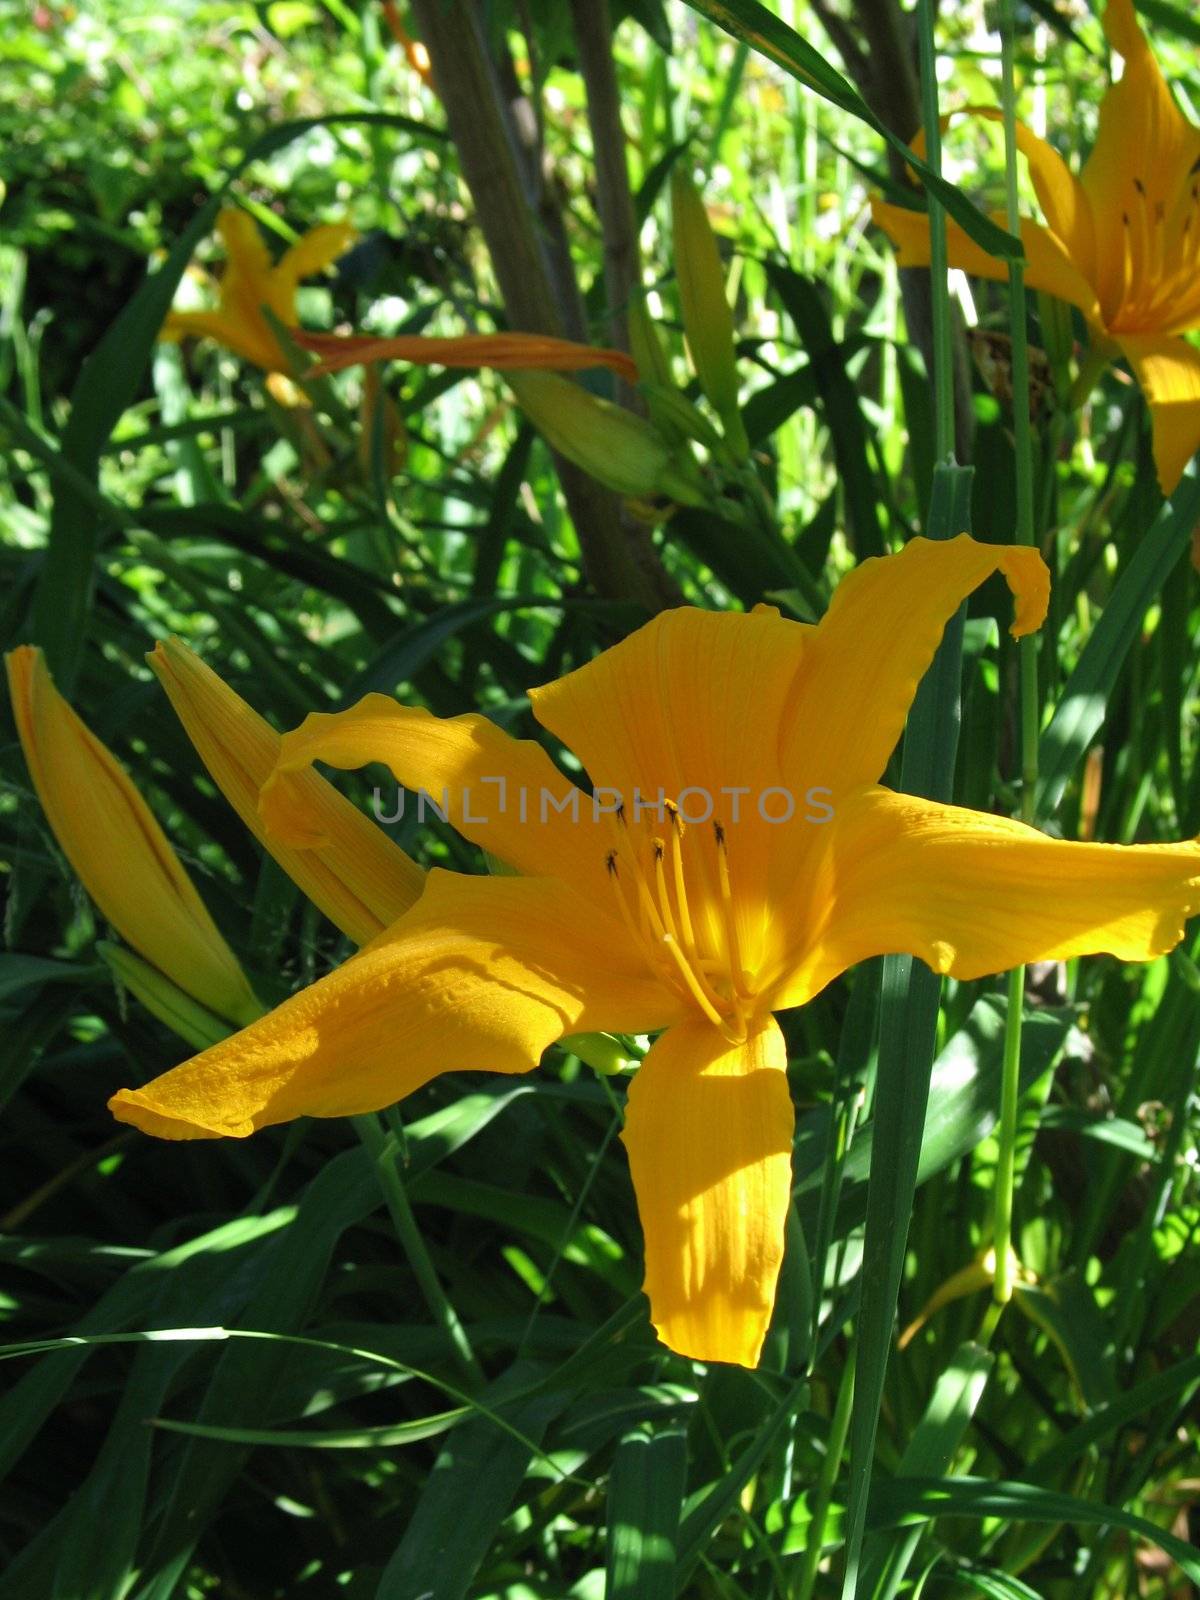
420,1368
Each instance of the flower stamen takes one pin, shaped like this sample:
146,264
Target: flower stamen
681,899
737,975
612,863
654,907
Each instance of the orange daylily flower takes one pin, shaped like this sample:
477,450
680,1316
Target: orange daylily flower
1121,241
415,52
506,352
683,895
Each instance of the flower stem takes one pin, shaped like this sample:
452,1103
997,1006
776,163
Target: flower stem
943,354
830,1467
1028,666
382,1153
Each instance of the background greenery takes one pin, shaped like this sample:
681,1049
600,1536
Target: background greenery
314,1434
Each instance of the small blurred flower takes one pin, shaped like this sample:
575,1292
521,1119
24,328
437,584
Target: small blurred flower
251,281
415,52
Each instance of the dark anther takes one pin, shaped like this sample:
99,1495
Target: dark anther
719,831
659,849
610,861
1140,187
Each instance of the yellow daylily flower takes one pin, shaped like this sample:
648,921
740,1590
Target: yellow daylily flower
251,281
357,876
1121,241
121,855
735,855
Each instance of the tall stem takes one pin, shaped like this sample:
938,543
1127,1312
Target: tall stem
382,1154
619,558
943,351
1028,666
910,991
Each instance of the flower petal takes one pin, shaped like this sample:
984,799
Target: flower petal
1168,369
1064,202
482,975
692,699
874,644
507,352
247,284
1063,199
246,335
1048,266
690,705
123,859
313,252
357,876
709,1133
503,794
973,894
1143,139
244,244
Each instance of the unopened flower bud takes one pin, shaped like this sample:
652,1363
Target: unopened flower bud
121,855
648,353
193,1023
621,451
600,1051
707,319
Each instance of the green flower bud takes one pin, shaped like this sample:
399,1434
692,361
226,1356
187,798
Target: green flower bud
646,346
194,1023
707,319
600,1051
673,412
619,450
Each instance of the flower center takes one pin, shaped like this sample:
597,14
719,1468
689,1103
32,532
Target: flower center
690,939
1160,283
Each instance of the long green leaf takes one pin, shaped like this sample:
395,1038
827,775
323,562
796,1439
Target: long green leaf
468,1494
894,1502
908,1015
1082,704
763,31
645,1497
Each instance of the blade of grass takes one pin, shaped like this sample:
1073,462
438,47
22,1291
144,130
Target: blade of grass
894,1502
929,1452
645,1498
